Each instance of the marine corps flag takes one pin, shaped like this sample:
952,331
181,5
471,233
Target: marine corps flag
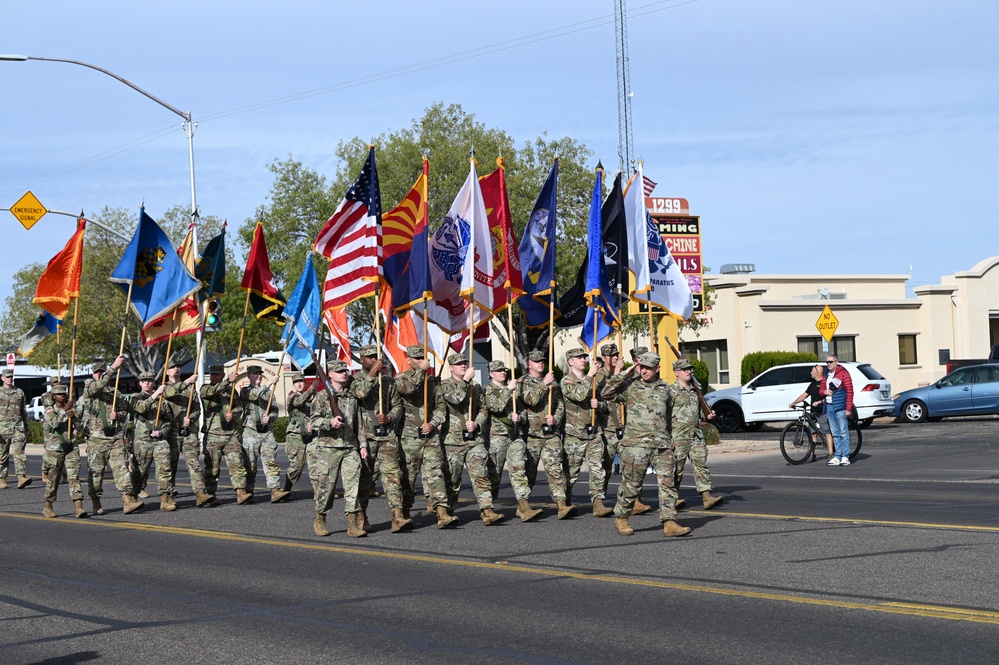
186,318
60,282
267,301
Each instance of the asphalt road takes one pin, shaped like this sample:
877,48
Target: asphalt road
892,559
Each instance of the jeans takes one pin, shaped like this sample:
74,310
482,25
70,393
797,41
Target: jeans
841,434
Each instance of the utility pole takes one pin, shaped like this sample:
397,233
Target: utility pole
625,146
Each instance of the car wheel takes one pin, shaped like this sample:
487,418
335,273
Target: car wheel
866,422
728,417
752,427
913,411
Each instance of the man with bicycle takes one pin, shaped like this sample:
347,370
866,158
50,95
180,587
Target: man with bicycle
840,385
815,396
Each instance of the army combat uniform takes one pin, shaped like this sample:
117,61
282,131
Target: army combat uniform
149,449
13,433
584,435
295,438
258,438
106,440
688,439
222,438
61,453
185,440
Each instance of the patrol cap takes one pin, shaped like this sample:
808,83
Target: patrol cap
53,380
8,372
457,359
216,369
296,376
256,369
98,367
368,350
682,363
497,366
638,351
59,389
609,350
147,376
338,366
175,363
649,359
575,352
415,352
537,356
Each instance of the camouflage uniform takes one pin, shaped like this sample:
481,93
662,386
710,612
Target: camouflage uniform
647,440
258,438
13,430
383,451
688,440
106,438
147,449
457,394
421,454
333,452
579,444
299,404
222,437
61,453
539,446
612,419
189,445
507,441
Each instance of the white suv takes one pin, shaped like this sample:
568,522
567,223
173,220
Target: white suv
765,398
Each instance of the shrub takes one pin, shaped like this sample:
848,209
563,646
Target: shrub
754,363
280,426
34,432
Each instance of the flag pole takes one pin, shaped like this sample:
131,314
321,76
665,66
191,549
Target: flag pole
197,366
239,350
593,382
513,359
59,351
121,346
426,374
270,400
471,335
551,337
72,364
166,366
378,345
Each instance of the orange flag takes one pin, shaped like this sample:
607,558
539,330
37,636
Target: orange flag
339,327
399,332
60,282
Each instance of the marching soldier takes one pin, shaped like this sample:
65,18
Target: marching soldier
584,439
506,439
637,352
13,431
61,451
221,430
258,434
464,445
152,443
688,439
539,392
420,447
184,438
650,403
381,413
337,449
613,422
299,404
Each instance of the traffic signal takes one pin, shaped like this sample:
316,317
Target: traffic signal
213,315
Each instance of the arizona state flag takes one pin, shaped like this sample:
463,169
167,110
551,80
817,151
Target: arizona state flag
267,301
60,282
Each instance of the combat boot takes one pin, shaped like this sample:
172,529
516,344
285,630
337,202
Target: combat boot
213,501
80,512
48,512
399,521
98,508
167,503
671,529
287,484
681,504
319,526
711,500
430,505
130,504
243,497
444,520
565,511
354,529
601,510
3,483
640,508
202,499
406,515
23,481
622,526
490,516
525,512
279,495
362,521
143,494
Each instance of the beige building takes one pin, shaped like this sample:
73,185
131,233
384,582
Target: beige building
906,338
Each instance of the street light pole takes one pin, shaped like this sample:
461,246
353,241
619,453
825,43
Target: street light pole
188,126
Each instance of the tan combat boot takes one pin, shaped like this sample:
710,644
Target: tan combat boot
430,505
80,512
362,521
131,504
525,512
444,520
671,529
143,494
490,516
601,510
167,503
98,508
279,495
681,504
711,500
565,511
399,521
3,483
354,529
202,499
640,508
243,497
622,526
48,512
319,526
22,482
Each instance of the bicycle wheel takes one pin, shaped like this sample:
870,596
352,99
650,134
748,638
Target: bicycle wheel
796,443
856,439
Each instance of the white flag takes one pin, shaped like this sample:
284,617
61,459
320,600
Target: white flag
638,238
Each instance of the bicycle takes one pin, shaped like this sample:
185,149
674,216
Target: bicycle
797,444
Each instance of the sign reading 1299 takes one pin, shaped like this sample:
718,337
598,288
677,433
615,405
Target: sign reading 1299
667,205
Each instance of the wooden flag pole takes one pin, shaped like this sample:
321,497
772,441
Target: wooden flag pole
378,345
166,366
121,346
426,374
239,350
59,352
620,348
72,364
513,359
270,400
197,364
593,381
471,337
551,338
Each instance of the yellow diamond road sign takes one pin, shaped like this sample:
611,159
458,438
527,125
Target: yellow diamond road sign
827,323
28,210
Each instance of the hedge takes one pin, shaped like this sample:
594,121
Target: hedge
760,361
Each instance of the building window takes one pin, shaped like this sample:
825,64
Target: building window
713,353
907,350
844,348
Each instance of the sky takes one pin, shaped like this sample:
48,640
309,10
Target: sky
810,137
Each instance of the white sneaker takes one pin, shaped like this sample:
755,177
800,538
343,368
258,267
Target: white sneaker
845,461
833,461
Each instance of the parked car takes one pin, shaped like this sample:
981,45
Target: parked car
765,398
968,391
35,409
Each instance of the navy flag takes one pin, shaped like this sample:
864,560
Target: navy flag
537,255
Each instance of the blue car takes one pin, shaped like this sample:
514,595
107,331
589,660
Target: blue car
968,391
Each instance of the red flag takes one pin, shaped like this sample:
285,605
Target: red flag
60,282
259,281
506,255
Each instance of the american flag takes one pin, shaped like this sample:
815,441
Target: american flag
351,240
648,184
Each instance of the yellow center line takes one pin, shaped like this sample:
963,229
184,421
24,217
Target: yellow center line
889,607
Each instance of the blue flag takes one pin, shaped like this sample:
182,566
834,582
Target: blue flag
158,279
44,326
601,312
304,317
537,255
